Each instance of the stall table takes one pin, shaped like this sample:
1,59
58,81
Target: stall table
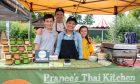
79,72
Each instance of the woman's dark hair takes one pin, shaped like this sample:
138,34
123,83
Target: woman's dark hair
48,16
87,38
71,18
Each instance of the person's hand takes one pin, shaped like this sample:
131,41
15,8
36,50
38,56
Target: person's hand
91,40
39,31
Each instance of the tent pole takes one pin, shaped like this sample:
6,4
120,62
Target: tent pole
30,23
30,28
7,29
116,18
102,35
115,13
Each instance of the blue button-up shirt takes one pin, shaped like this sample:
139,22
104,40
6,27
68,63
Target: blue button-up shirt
77,39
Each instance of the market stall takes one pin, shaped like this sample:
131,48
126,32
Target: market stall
17,62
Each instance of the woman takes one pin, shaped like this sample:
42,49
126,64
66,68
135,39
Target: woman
86,42
69,42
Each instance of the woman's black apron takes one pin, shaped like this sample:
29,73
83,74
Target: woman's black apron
68,49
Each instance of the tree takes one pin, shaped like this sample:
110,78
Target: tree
88,20
135,13
14,30
124,24
36,15
78,18
19,30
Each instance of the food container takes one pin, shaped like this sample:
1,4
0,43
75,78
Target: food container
20,42
16,56
26,61
27,42
4,41
24,55
9,61
31,59
124,53
30,55
14,48
92,58
118,52
21,48
5,48
121,50
17,61
29,48
12,41
8,56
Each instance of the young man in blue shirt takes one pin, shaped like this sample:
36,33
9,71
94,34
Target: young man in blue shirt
46,38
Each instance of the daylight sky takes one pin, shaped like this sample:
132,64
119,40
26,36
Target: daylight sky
98,18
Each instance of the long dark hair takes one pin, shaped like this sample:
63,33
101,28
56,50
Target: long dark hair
87,36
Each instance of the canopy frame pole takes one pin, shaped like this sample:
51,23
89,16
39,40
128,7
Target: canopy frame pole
30,28
30,23
8,29
102,35
115,13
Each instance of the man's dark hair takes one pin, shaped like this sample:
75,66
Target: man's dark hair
59,9
48,16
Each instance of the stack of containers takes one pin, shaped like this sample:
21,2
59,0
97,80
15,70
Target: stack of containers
17,51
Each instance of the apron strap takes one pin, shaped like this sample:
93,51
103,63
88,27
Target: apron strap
72,36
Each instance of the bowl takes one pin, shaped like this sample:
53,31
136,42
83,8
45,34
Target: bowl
92,58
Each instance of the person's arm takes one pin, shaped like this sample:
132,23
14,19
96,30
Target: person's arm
80,50
58,45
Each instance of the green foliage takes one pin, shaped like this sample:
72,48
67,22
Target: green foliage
36,15
98,40
135,13
23,34
2,26
14,30
20,30
123,24
78,18
88,20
